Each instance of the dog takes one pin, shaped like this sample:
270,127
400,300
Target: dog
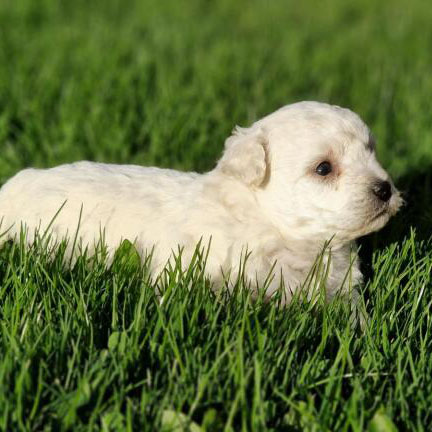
284,187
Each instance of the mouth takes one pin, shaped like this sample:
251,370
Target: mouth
390,208
381,213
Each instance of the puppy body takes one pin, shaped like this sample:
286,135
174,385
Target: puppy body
159,210
264,198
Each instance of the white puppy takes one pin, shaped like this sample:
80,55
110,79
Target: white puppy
295,179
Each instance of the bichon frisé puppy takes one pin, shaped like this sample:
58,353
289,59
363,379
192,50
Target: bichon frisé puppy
285,186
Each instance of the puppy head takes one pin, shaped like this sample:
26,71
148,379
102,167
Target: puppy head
314,171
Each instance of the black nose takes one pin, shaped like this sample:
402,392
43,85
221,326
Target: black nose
382,190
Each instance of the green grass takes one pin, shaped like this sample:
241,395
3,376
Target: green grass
94,348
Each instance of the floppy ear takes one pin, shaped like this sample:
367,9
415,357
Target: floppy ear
245,156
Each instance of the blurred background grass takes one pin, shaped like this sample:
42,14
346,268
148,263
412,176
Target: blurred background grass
164,82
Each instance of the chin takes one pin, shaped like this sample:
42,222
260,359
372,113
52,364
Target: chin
372,225
378,222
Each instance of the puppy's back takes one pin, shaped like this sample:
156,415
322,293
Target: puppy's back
123,201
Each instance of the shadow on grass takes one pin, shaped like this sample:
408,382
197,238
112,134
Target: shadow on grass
415,215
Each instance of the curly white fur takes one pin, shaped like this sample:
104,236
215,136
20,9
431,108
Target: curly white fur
263,196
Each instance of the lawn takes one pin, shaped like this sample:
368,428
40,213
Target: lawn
163,83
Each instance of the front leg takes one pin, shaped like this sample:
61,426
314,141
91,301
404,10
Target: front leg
346,281
338,271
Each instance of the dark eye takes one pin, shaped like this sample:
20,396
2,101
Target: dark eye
324,168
